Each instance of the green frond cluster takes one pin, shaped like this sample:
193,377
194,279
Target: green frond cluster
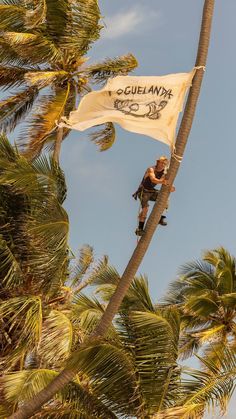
41,48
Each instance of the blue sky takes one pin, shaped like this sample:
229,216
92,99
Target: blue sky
163,35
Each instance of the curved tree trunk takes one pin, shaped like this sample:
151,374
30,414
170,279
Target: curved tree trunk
57,145
65,376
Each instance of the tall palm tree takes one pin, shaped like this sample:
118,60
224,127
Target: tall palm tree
152,223
43,47
205,293
133,372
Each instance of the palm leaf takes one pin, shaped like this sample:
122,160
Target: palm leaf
39,180
12,17
153,343
41,123
111,375
11,76
35,17
23,322
9,56
105,137
85,261
11,273
39,48
74,399
14,108
122,65
56,22
56,340
44,78
51,227
23,385
82,26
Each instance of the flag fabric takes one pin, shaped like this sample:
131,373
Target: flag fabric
145,105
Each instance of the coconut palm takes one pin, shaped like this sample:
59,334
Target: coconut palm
133,372
43,47
205,292
152,223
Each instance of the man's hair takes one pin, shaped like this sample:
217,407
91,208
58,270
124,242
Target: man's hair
163,158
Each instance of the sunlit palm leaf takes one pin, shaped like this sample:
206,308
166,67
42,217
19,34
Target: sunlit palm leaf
12,17
22,385
42,121
56,340
82,26
14,108
111,373
105,137
9,56
36,16
154,346
44,78
86,258
38,47
138,297
122,65
26,312
72,401
39,180
92,276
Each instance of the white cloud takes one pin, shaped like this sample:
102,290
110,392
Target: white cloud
123,23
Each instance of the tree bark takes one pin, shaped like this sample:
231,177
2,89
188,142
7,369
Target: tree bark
65,376
57,146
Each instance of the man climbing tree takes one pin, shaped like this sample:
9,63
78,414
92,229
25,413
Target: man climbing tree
146,192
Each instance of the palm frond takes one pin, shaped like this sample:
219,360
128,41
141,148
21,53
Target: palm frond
11,76
138,297
57,22
86,258
11,273
42,121
8,56
111,374
39,180
39,48
82,26
23,322
56,340
100,72
203,305
14,108
153,344
92,276
36,16
23,385
12,17
51,227
42,79
7,151
74,401
105,137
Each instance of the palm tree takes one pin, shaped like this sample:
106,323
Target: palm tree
133,372
205,293
43,47
152,223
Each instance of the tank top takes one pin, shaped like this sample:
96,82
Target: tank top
147,183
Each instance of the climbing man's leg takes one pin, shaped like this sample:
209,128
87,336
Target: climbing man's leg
143,213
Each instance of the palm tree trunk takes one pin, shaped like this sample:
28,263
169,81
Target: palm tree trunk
65,376
57,145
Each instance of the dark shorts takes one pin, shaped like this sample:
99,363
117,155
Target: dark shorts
146,196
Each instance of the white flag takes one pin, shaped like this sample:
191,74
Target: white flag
146,105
